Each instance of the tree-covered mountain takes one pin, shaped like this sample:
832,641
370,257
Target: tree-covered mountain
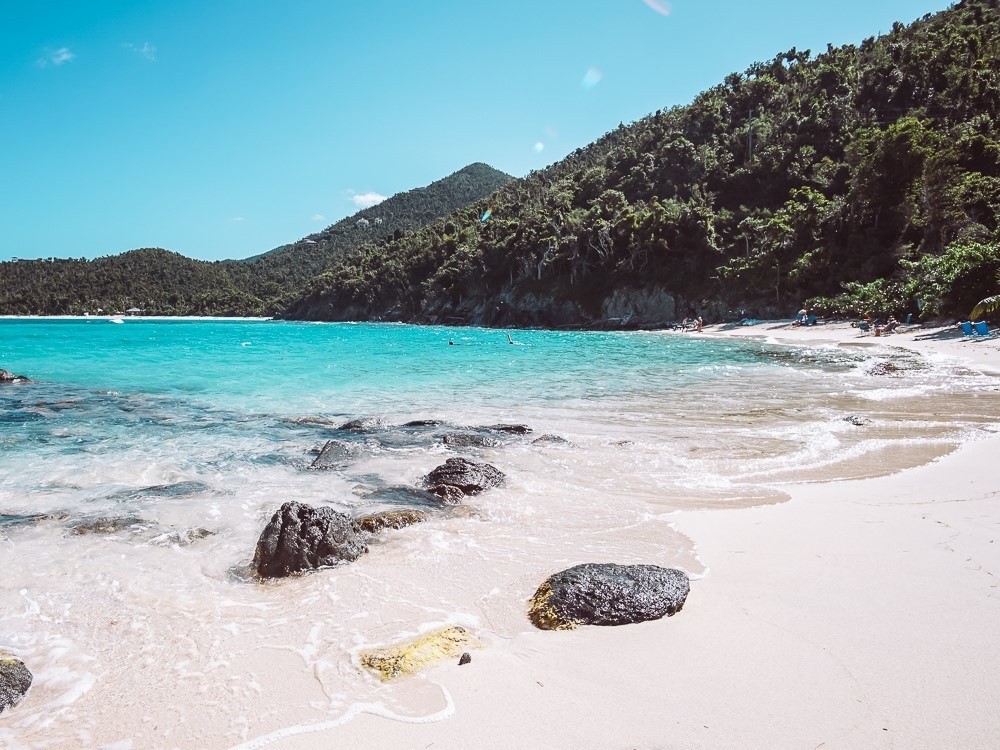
866,178
166,283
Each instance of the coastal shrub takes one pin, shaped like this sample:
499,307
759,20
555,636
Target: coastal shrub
953,282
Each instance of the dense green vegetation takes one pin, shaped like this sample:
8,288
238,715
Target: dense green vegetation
865,179
165,283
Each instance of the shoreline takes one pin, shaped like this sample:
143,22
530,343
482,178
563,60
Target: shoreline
936,341
860,613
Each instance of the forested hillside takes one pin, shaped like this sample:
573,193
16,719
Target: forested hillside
865,179
166,283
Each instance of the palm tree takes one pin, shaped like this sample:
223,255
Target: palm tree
986,307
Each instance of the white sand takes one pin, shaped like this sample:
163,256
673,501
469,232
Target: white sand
862,614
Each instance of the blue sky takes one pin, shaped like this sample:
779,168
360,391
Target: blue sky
221,129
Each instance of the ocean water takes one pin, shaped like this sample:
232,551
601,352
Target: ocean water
181,438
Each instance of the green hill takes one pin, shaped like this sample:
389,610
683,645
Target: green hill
866,178
165,283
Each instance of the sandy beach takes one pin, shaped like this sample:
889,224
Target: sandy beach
858,614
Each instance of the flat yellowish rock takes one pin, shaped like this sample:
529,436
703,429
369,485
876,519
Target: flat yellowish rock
409,657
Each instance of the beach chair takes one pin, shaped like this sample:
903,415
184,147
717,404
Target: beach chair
863,325
749,322
811,320
980,329
967,331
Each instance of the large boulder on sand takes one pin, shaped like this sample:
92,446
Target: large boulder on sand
15,679
607,594
471,478
300,537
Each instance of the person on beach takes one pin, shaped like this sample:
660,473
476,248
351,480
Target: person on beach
699,322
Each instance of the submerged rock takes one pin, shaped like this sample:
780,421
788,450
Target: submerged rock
550,440
424,423
335,454
607,594
884,368
177,489
464,659
15,679
366,424
111,525
510,429
857,421
6,376
471,478
409,657
447,494
300,538
391,519
182,538
468,440
14,520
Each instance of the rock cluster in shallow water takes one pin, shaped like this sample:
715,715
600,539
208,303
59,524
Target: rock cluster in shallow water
465,475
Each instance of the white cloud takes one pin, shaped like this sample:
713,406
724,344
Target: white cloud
660,6
56,57
147,50
591,78
238,219
367,200
319,217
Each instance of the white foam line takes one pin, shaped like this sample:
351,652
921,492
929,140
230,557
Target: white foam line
375,709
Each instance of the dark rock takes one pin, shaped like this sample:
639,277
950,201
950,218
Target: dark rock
464,659
510,429
6,376
424,423
471,478
392,519
367,424
335,454
300,537
447,494
550,440
858,421
468,440
15,679
607,594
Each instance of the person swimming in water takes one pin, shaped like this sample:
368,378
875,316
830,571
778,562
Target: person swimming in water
509,339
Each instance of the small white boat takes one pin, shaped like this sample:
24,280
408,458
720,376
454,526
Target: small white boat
116,319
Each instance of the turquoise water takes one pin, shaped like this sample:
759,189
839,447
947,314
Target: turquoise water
177,440
289,367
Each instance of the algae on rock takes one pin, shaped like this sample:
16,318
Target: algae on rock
409,657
